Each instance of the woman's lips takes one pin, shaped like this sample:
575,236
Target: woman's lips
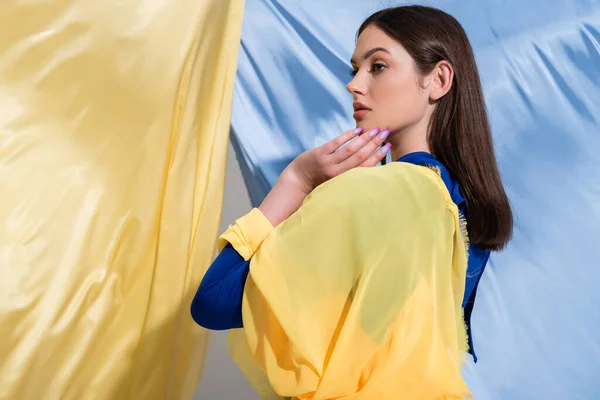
360,114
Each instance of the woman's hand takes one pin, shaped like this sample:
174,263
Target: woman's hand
313,167
316,166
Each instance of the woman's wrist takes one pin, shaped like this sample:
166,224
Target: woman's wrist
285,197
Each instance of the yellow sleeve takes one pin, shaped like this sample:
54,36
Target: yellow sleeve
358,294
247,234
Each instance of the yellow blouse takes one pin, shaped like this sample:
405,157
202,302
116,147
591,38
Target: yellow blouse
358,294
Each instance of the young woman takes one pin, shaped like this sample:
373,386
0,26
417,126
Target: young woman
362,286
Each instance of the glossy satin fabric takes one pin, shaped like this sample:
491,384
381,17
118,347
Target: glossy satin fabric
114,120
341,303
536,319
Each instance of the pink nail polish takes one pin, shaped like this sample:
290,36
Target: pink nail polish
358,130
386,148
374,132
384,134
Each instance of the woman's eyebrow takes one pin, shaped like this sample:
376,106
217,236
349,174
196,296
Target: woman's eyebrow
370,53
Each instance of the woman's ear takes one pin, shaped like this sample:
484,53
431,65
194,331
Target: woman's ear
441,80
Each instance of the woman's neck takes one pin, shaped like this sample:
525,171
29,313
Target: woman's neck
408,141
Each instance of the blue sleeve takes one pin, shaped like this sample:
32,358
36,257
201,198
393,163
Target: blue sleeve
217,304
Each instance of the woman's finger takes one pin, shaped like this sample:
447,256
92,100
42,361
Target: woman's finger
337,142
364,153
377,156
350,149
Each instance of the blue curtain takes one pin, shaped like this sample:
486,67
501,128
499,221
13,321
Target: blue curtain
537,319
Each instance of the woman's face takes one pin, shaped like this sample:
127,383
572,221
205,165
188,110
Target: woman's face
386,86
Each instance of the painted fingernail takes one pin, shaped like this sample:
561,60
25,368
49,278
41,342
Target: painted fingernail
386,148
358,130
384,134
374,132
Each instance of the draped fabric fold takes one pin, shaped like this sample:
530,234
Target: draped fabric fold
114,121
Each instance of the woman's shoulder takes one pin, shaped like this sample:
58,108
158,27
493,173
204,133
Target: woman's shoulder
394,179
379,191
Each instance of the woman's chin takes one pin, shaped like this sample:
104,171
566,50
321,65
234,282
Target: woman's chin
367,126
365,123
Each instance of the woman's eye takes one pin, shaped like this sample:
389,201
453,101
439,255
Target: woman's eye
377,68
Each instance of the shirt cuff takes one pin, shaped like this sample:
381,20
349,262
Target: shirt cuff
247,234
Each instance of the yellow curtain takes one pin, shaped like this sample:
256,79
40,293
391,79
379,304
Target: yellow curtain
114,119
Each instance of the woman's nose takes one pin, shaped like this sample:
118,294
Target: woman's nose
355,87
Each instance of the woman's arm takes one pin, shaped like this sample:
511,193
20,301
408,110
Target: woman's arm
217,303
313,167
284,199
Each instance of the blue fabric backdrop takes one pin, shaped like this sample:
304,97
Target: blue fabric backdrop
537,319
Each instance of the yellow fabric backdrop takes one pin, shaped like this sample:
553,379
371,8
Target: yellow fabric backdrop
114,118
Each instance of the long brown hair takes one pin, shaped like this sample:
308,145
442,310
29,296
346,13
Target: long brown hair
459,132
